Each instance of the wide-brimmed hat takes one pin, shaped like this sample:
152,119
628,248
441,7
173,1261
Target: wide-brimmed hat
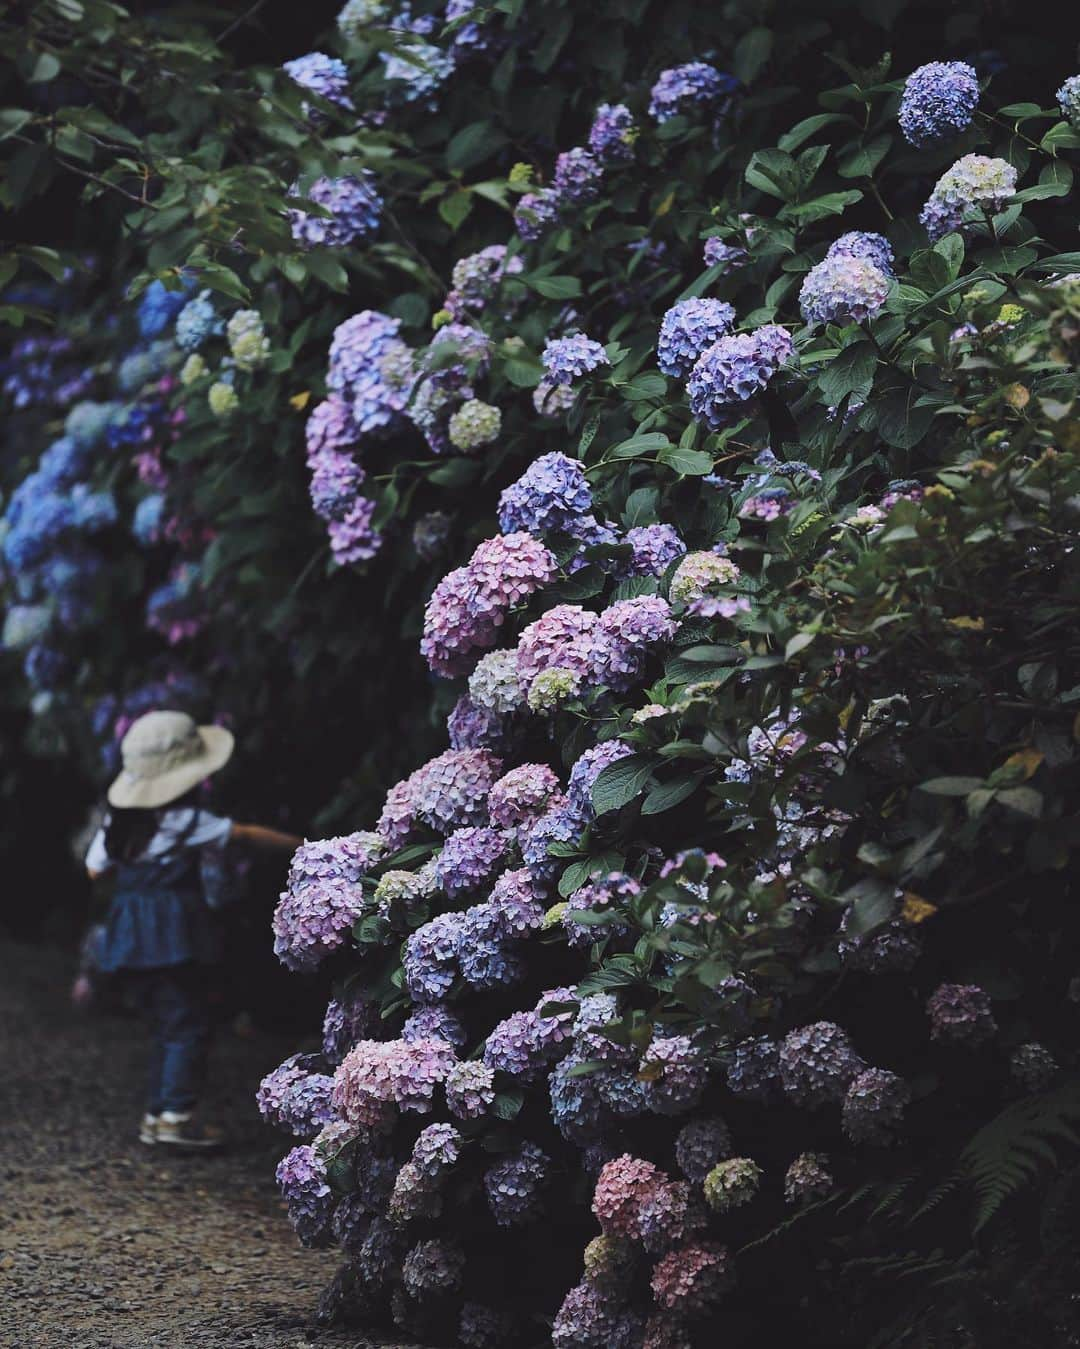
164,755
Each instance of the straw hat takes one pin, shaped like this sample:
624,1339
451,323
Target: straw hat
164,755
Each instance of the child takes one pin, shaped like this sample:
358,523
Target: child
161,933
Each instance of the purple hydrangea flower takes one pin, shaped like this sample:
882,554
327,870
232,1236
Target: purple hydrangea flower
472,727
536,213
513,1184
874,1106
558,639
576,1106
568,358
432,1267
355,210
624,635
522,795
553,400
301,1177
469,856
676,1075
515,899
551,496
716,252
735,369
1033,1066
436,1150
872,248
685,88
323,898
296,1097
961,1014
434,1022
843,289
330,429
688,329
430,958
485,959
611,892
655,548
700,1144
559,824
481,1326
817,1064
451,791
577,177
335,483
353,537
430,534
376,1075
612,136
938,102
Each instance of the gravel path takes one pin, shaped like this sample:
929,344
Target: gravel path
108,1244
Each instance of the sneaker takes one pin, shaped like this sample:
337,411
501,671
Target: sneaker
148,1129
182,1130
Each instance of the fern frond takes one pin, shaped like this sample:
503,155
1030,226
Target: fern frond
892,1195
941,1191
1008,1153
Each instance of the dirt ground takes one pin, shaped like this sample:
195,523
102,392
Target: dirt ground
108,1244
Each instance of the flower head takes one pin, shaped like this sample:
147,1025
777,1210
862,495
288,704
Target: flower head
568,358
961,1014
975,184
682,89
612,136
843,289
355,210
938,102
735,369
687,329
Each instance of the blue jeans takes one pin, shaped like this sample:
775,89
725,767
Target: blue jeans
176,999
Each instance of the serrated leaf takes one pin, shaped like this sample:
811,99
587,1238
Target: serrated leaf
691,463
667,795
620,782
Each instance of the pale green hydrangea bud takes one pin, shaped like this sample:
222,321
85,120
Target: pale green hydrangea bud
609,1263
474,424
649,713
193,368
551,688
553,917
731,1184
222,399
248,341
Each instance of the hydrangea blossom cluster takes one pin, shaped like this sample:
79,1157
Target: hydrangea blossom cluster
469,605
322,900
301,1177
325,76
473,425
735,369
655,547
377,1075
701,583
874,1106
569,358
938,102
296,1097
687,88
354,206
961,1014
817,1064
843,289
808,1178
551,496
689,328
1068,99
974,185
513,1184
872,248
612,135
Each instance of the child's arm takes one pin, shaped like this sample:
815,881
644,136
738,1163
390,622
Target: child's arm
258,836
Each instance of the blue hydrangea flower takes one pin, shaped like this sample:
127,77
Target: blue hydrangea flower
1068,97
716,252
684,88
322,75
551,496
88,421
975,184
687,329
872,248
577,177
843,289
612,136
159,306
655,548
65,461
568,358
197,322
735,369
355,210
938,102
536,213
418,79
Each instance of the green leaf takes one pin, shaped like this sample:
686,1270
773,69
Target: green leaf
666,795
798,643
957,786
556,287
862,161
455,208
507,1104
832,203
637,446
850,372
473,144
751,52
809,126
649,384
773,172
1025,800
620,782
692,463
45,68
